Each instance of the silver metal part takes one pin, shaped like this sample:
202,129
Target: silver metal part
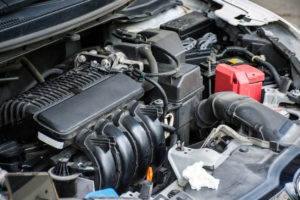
189,43
169,120
115,61
2,176
275,100
179,160
123,61
130,195
81,59
245,13
180,157
94,52
105,63
223,130
296,93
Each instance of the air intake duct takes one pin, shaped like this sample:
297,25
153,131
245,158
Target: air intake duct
261,121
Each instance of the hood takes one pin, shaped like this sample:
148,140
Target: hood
48,19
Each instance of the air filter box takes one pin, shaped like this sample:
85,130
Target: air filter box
242,79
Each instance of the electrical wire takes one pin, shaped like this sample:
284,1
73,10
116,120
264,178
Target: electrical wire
33,70
169,73
162,92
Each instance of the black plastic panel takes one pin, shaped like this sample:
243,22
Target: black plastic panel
10,5
63,120
53,91
193,25
238,175
141,9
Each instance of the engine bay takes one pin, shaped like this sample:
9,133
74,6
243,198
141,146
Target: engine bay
128,107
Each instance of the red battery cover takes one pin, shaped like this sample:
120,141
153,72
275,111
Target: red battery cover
242,79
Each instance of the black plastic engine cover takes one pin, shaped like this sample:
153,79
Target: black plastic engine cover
16,114
64,120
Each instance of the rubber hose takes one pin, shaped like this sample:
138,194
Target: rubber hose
232,108
147,53
169,73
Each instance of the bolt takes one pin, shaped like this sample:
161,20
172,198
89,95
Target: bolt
94,52
159,103
296,93
81,59
180,146
94,63
63,160
105,63
244,149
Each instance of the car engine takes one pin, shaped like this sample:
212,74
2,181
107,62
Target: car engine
130,109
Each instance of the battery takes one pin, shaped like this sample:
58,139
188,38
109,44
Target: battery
242,79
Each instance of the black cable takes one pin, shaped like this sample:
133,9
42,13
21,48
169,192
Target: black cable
162,74
131,37
168,128
46,74
169,73
9,79
33,70
163,94
270,67
146,52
